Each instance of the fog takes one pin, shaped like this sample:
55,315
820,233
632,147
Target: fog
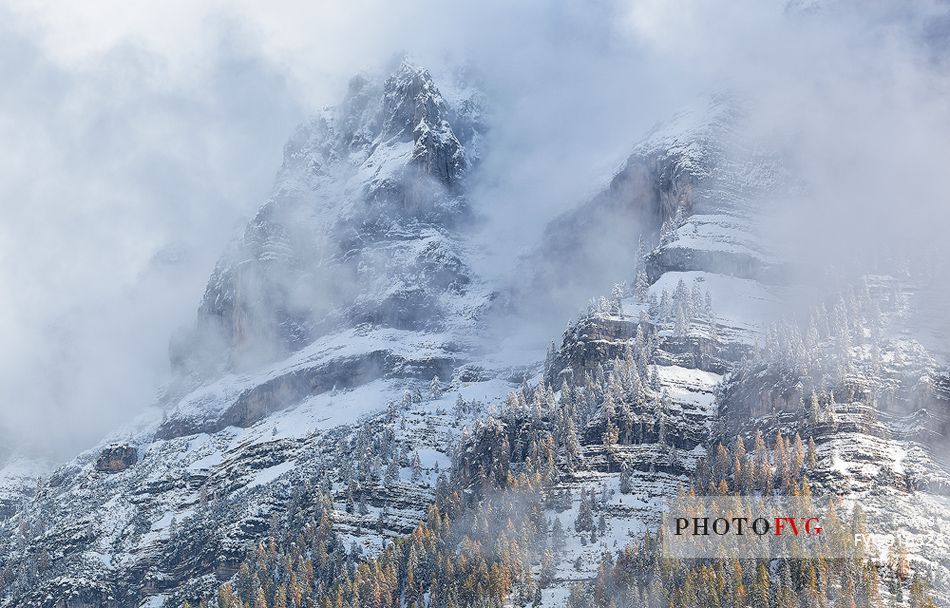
120,186
139,141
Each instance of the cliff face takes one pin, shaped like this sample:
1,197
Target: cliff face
361,245
362,228
731,367
597,241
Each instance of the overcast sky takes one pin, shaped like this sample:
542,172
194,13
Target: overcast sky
139,137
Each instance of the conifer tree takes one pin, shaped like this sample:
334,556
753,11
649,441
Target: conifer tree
585,515
626,479
435,388
641,289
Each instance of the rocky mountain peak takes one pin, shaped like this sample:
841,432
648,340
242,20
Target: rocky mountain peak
410,96
414,109
378,178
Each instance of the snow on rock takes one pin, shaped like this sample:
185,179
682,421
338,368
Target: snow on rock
343,328
321,329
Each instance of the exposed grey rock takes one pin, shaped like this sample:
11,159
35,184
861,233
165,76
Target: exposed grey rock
116,458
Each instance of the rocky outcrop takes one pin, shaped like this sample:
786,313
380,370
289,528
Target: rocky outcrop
360,228
733,263
596,340
644,193
116,458
290,388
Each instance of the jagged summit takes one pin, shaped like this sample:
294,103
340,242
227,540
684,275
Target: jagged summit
361,227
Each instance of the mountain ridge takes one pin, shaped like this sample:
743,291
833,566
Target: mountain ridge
296,403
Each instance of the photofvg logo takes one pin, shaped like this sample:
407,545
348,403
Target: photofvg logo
749,527
720,526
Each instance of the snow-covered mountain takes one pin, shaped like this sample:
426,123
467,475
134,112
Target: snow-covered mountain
339,350
350,292
720,360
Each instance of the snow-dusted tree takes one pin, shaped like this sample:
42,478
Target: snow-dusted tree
679,218
897,559
814,408
811,458
812,337
830,408
666,232
416,468
653,306
633,382
654,378
516,402
567,398
435,388
558,537
547,572
245,583
617,294
549,357
578,589
681,321
708,307
567,436
610,434
392,472
797,455
664,308
681,293
762,472
696,301
626,479
350,498
585,515
641,287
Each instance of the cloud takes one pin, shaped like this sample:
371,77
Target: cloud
120,189
142,137
852,96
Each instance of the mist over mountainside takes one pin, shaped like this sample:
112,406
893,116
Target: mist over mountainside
369,409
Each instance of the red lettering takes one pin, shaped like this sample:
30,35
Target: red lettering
779,525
